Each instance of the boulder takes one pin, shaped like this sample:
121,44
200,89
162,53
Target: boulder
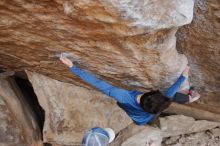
178,124
200,42
174,130
71,110
208,137
129,43
18,124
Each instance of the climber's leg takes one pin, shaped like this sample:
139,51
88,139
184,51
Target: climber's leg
181,98
186,96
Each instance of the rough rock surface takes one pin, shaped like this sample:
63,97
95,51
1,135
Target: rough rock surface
71,110
206,138
145,13
179,124
200,42
118,40
180,130
171,129
134,135
99,37
144,137
17,124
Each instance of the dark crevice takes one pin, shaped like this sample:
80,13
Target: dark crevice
166,114
47,144
1,71
30,97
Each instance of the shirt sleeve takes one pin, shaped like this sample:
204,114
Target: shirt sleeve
171,91
114,92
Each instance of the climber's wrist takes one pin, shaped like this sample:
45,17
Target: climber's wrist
186,75
70,66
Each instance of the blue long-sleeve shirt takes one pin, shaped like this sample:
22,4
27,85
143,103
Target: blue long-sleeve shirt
126,99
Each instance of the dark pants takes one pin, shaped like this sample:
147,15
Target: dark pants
181,98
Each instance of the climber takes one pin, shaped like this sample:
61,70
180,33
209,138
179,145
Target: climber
98,137
140,107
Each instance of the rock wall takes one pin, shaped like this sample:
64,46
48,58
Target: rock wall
102,39
71,110
200,42
128,43
18,126
208,137
173,130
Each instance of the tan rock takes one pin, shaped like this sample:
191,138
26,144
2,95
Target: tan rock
144,137
101,39
209,137
129,43
175,130
71,110
179,124
155,14
134,135
190,111
18,126
200,42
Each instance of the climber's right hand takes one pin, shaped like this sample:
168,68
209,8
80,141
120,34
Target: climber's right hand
186,72
66,61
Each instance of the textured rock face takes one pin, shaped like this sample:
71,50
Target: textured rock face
71,110
134,135
101,40
209,137
180,130
128,43
200,42
175,130
17,124
147,13
144,137
179,124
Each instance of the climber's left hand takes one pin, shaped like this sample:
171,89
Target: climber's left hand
186,72
66,61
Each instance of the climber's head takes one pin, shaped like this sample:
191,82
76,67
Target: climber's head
154,102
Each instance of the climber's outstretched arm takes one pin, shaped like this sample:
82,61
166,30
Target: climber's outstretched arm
114,92
171,91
